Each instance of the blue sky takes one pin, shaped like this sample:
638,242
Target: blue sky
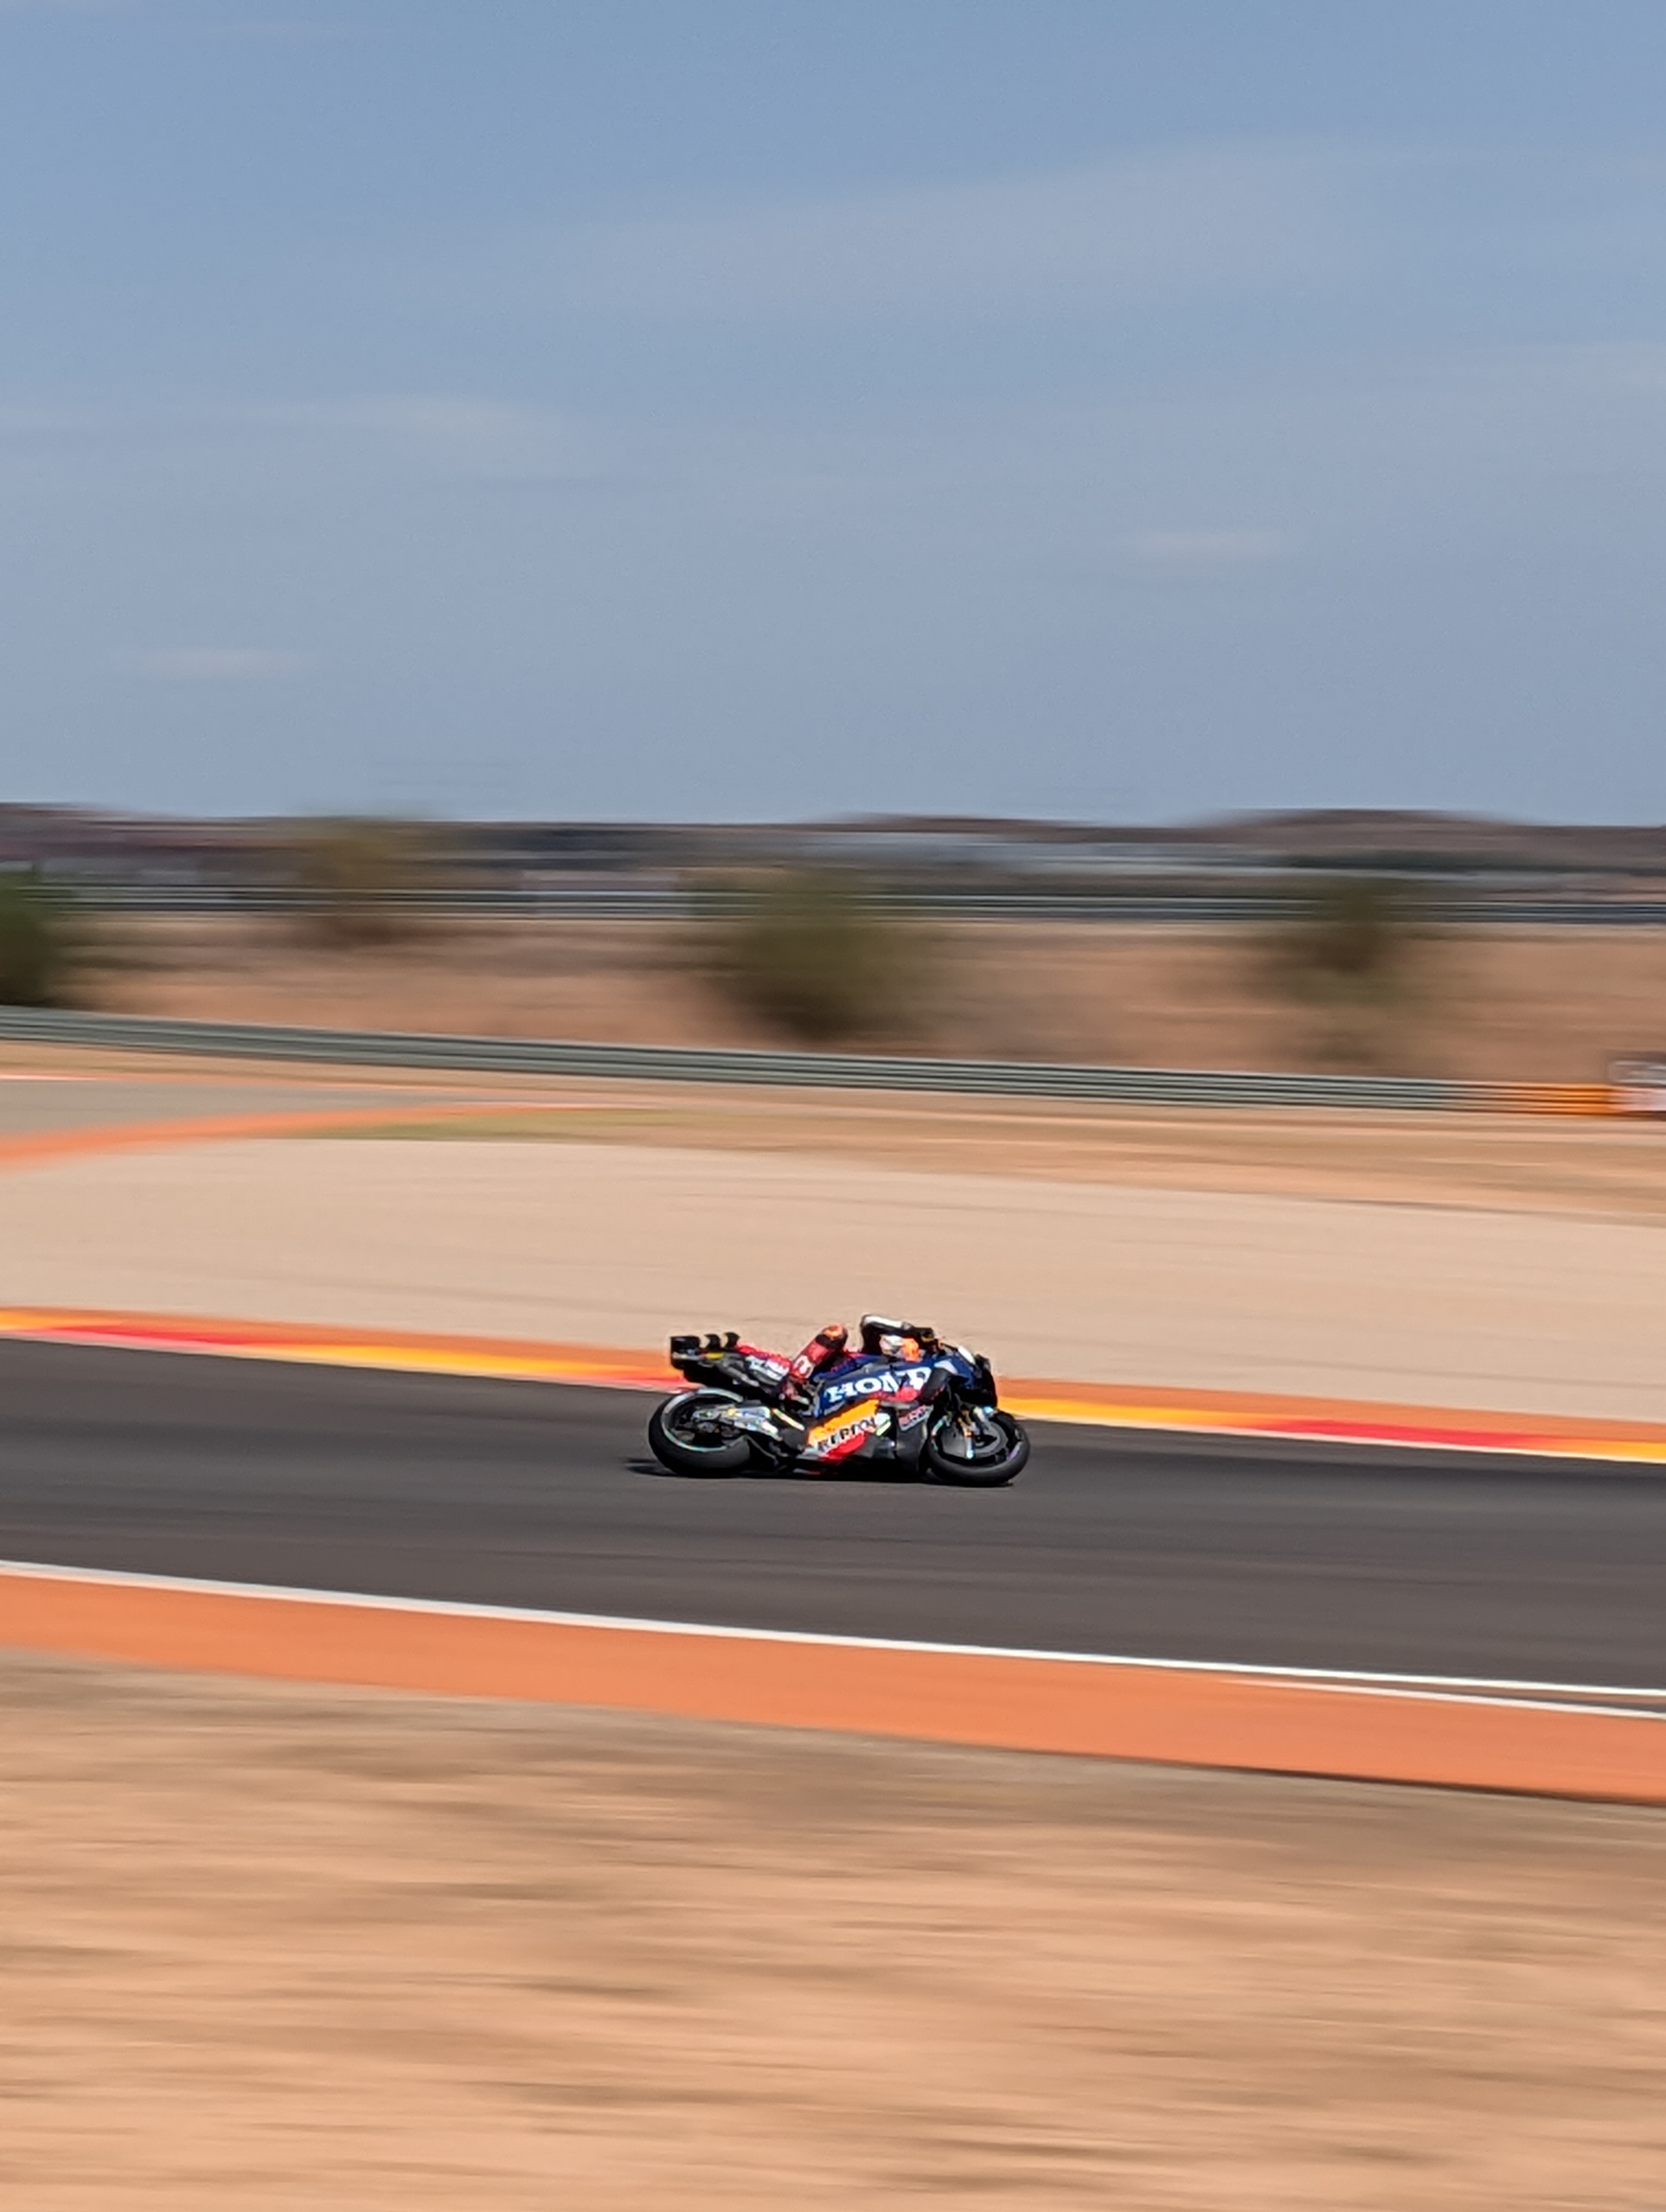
741,408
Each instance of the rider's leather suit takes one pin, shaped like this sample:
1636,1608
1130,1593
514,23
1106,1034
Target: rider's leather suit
877,1338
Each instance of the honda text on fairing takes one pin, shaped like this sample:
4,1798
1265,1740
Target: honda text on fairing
904,1402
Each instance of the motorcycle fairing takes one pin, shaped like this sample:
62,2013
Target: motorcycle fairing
865,1408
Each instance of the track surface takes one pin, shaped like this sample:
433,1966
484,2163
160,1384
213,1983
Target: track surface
524,1494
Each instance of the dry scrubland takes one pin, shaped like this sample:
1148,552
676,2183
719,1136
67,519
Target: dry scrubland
329,1950
1550,1006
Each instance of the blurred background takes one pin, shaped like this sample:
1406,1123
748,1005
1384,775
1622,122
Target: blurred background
1326,940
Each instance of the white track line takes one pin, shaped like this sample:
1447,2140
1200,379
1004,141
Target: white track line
1436,1689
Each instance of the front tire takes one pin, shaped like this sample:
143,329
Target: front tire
975,1451
673,1438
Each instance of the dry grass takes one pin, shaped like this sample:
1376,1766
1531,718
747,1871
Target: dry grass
1500,1004
324,1950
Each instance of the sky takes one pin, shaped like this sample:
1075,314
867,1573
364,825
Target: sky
765,408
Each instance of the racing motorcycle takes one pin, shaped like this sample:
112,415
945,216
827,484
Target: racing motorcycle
936,1416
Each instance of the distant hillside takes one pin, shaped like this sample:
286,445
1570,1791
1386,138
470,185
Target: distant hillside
156,848
1310,835
1359,832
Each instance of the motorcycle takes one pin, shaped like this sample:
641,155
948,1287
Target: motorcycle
937,1416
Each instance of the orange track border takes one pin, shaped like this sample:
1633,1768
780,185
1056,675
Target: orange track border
987,1698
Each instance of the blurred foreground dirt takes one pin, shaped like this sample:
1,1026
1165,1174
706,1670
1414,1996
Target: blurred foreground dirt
331,1950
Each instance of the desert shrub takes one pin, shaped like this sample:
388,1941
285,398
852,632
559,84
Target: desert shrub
359,881
1356,950
42,950
811,954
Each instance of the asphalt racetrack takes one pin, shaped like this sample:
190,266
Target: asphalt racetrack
529,1494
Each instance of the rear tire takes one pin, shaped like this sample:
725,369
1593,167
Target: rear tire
673,1446
985,1468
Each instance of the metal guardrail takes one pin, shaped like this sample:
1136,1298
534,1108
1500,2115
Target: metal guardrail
835,1071
666,905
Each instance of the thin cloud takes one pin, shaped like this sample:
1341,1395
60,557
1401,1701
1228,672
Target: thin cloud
219,663
1209,215
1205,552
278,29
458,433
23,423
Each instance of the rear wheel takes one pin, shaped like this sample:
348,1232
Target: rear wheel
683,1434
977,1448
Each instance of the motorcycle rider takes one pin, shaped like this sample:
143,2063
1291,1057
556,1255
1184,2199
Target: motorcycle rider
897,1396
879,1338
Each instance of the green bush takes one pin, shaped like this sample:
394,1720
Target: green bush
41,948
1351,938
358,881
1357,950
810,954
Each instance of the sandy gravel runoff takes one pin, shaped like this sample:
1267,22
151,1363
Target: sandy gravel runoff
316,1952
1089,1281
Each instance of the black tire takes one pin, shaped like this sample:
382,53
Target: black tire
681,1454
984,1470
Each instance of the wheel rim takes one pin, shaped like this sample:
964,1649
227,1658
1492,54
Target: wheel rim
973,1439
680,1427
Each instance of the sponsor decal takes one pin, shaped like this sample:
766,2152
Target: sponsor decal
833,1438
884,1382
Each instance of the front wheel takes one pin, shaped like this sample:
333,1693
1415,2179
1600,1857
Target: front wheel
978,1448
683,1435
